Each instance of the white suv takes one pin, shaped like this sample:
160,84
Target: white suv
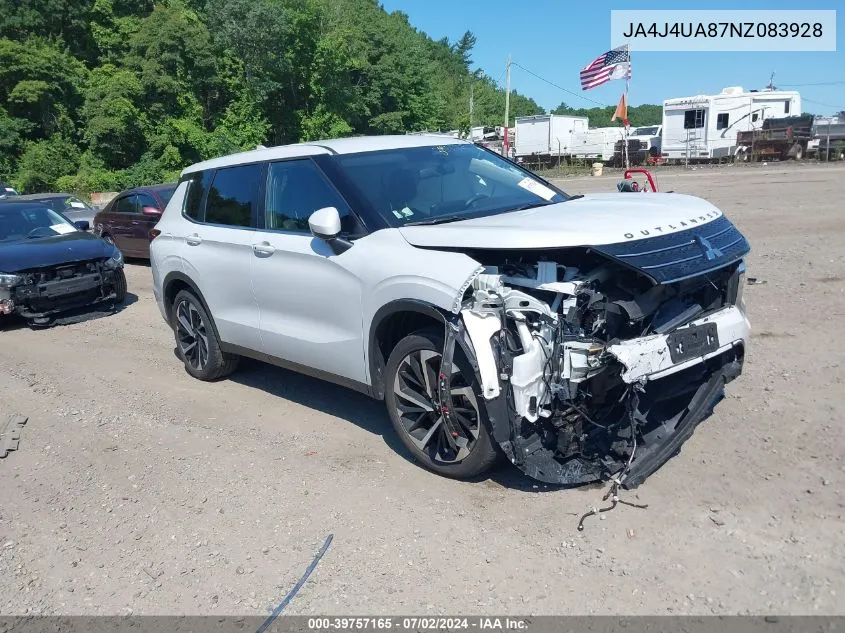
582,336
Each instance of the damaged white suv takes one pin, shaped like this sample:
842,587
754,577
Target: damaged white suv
584,337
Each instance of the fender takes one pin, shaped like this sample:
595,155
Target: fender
376,363
174,276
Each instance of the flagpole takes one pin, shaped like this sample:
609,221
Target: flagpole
627,81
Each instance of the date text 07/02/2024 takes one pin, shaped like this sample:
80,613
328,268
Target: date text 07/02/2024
417,623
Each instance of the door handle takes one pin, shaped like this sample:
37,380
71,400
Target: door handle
193,240
265,248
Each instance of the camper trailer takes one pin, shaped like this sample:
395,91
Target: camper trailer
545,135
595,143
704,127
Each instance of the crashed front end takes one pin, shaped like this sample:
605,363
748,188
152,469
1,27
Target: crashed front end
599,362
45,294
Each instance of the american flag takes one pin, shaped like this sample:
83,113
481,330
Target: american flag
615,64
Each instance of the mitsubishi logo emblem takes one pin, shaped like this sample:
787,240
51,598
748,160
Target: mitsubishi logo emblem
710,251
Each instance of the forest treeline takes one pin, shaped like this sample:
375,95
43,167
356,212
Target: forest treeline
646,114
99,95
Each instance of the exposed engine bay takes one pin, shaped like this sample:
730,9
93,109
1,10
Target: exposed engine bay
592,369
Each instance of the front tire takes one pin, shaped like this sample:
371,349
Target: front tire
119,286
411,374
197,343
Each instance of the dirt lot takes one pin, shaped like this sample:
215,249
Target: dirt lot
137,488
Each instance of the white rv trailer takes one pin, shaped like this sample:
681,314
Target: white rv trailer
598,142
705,126
546,135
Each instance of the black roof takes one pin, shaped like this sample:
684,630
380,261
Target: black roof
156,188
15,205
44,196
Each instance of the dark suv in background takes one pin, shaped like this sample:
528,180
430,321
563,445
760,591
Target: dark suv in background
128,219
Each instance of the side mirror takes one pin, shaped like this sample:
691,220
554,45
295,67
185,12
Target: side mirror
82,225
325,225
151,211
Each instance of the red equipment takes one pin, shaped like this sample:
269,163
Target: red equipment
635,185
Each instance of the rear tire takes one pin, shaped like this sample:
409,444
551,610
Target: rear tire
410,396
197,343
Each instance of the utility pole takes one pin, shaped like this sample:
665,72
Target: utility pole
828,138
506,145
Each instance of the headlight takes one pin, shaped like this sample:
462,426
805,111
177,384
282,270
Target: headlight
736,287
740,298
116,260
7,281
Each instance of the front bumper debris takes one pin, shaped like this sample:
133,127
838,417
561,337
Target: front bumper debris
65,294
588,375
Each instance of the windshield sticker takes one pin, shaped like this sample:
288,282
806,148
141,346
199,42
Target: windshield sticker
407,212
77,205
537,188
61,229
398,214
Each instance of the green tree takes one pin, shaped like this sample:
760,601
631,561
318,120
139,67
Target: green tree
39,82
114,120
134,90
645,114
44,162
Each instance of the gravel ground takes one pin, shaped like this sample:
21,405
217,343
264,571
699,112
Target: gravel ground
138,489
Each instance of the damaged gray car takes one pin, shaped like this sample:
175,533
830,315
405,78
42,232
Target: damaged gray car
584,337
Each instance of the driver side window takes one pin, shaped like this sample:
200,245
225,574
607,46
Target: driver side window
295,189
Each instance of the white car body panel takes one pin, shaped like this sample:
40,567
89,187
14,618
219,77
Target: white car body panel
221,265
648,358
596,219
309,304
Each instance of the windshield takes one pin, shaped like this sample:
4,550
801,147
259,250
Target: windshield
646,131
427,185
68,203
33,222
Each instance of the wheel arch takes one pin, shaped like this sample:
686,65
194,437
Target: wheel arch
390,324
173,283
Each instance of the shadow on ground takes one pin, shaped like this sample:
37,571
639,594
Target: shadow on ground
363,412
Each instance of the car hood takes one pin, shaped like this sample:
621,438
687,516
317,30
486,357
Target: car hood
596,219
52,251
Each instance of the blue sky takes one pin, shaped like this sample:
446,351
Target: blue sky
556,38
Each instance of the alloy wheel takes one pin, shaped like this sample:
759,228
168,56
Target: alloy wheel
191,334
420,412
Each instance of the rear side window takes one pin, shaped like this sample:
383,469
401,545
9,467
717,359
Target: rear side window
232,196
295,189
145,200
198,183
125,204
